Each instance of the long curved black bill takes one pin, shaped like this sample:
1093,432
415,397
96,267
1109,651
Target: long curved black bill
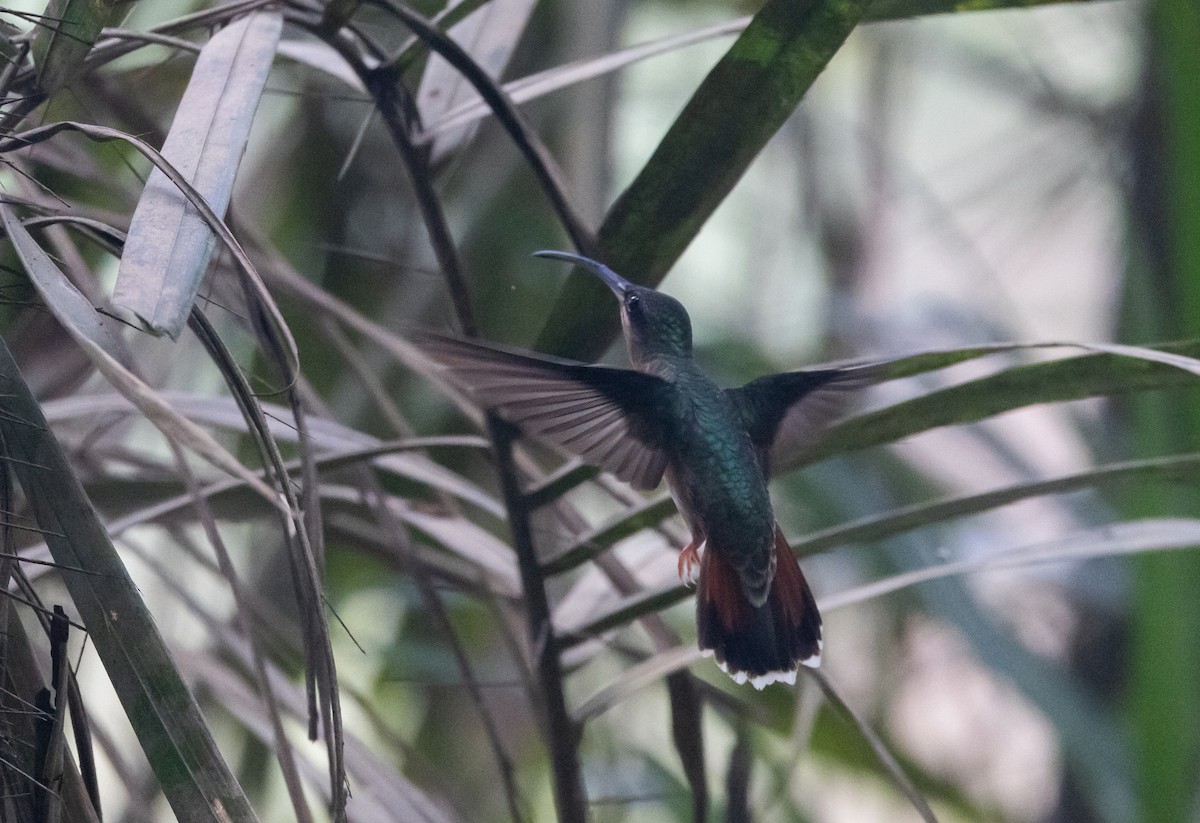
613,280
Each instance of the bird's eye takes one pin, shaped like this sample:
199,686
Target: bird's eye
633,301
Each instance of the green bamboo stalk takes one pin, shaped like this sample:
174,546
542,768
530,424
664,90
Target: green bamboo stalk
1165,670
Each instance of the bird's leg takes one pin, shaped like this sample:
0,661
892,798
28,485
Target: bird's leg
689,560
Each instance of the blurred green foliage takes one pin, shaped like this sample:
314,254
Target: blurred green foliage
945,183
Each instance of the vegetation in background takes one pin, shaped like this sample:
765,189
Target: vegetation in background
263,563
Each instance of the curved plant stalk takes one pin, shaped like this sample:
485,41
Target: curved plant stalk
538,157
490,34
562,735
307,577
534,86
886,758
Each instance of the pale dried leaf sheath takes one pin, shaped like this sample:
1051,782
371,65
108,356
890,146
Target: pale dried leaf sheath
170,243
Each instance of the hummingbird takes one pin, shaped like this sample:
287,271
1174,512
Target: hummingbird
755,612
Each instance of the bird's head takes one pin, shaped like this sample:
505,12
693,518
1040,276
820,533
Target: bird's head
655,324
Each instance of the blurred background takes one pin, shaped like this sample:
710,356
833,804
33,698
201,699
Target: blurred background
1024,175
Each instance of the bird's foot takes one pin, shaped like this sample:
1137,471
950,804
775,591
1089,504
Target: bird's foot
689,562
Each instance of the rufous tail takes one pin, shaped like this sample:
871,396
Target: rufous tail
761,644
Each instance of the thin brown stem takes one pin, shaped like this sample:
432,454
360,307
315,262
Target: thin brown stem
890,764
307,577
562,733
540,161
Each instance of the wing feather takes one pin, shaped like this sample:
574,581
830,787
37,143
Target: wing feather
605,416
786,413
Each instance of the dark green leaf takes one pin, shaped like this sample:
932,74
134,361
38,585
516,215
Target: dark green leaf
899,9
67,33
1072,379
743,101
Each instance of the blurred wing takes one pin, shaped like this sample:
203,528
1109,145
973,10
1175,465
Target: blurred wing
786,413
606,416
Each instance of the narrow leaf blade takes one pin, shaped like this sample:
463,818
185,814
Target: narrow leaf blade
1074,378
194,777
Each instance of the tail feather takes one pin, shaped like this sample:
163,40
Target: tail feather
761,644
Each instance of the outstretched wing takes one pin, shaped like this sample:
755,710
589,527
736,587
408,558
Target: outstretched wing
604,415
785,413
